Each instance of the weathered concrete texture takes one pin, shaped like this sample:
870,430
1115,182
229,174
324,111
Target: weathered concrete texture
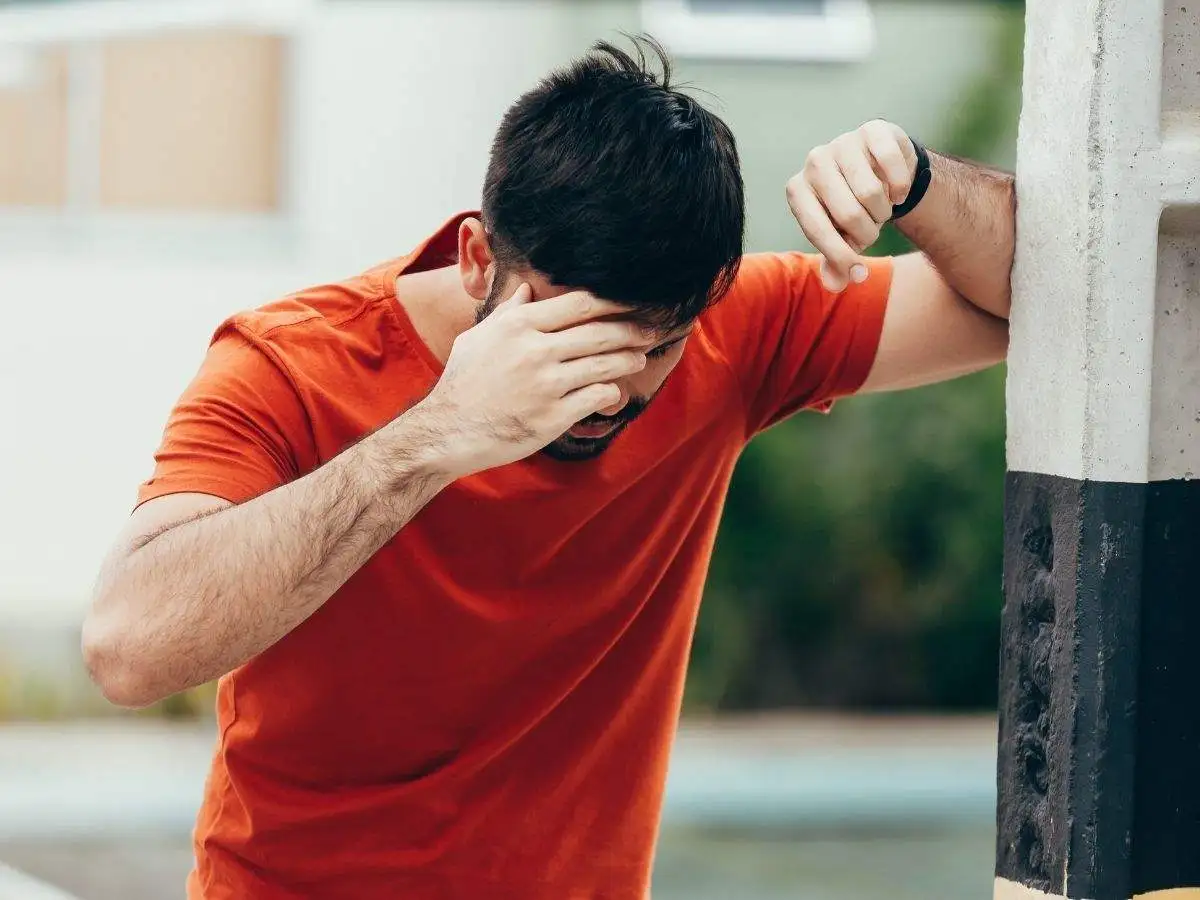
1035,648
1069,685
1097,162
1166,820
1180,82
1175,404
1099,795
1099,725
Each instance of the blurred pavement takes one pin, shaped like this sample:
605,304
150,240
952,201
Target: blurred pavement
104,808
89,778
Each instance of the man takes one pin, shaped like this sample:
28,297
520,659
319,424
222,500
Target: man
442,529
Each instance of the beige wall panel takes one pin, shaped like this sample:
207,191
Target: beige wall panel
192,122
33,136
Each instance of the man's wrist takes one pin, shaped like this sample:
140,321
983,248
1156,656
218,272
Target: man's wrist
414,447
922,177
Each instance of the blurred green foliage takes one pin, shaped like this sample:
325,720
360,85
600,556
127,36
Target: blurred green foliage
859,562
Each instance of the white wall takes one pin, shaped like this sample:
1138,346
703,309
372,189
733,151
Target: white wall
404,100
92,353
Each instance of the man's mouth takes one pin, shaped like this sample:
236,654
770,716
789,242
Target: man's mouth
590,431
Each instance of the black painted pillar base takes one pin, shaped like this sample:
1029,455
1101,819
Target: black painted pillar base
1099,768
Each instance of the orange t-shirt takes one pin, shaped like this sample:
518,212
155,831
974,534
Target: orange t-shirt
486,709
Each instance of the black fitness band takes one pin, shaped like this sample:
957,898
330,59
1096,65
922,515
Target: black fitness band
920,183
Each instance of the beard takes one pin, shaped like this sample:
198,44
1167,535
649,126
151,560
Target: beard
488,306
568,447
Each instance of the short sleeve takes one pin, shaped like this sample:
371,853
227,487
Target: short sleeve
794,344
234,433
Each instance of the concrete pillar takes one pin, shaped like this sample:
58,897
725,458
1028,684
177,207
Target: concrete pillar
1099,768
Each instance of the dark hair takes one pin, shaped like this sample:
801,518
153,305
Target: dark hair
607,178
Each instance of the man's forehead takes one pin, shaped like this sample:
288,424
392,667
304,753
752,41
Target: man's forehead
673,333
541,289
659,332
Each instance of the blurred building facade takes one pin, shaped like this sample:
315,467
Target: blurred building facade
163,164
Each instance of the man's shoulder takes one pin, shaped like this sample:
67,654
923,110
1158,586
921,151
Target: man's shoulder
345,338
341,351
761,275
762,283
782,286
323,310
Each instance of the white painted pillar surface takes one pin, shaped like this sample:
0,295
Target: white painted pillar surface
1099,769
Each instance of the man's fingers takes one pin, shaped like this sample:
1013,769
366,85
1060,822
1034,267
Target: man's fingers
868,188
906,146
893,153
846,193
847,213
570,309
588,400
522,295
833,281
814,221
591,338
599,369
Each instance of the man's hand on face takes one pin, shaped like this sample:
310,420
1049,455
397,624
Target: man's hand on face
526,374
846,192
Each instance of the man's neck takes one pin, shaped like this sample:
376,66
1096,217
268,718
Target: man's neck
437,305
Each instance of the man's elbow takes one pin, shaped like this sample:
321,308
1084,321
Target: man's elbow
114,664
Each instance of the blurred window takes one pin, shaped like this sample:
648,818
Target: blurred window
784,30
33,121
174,121
191,122
127,117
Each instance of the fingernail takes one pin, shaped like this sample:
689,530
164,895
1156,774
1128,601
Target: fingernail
858,273
829,279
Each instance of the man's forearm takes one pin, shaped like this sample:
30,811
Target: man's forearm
966,225
200,598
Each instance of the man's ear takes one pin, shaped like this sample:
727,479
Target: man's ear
476,265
